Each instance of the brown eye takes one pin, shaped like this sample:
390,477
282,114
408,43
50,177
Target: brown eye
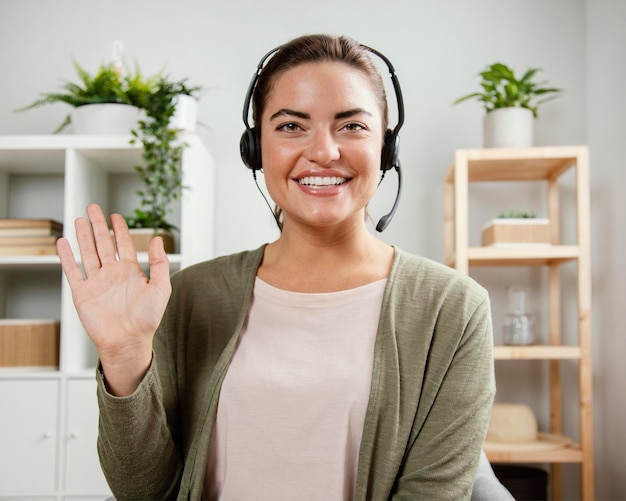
354,127
289,127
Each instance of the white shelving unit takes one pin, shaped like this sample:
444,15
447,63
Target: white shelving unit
48,425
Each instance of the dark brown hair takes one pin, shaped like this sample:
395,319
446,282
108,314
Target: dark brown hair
311,49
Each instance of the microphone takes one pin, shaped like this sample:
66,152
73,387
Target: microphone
386,219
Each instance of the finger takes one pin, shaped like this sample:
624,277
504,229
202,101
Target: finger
87,247
124,242
101,234
159,266
68,263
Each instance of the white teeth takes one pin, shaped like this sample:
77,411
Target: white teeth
321,181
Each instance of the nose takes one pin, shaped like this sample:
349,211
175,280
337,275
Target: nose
322,147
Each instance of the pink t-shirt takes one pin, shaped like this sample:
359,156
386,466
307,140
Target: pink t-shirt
293,402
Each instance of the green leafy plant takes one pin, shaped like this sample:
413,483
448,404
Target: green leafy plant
106,85
160,172
511,214
501,88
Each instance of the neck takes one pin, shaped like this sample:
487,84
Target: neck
325,261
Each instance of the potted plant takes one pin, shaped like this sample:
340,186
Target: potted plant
511,105
516,228
106,102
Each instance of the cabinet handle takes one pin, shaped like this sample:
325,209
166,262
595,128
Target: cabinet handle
47,435
75,434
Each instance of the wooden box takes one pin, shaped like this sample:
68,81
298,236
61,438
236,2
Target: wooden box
29,343
513,231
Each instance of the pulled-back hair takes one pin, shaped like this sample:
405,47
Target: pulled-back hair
313,49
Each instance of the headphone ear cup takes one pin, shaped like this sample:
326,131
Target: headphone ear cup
389,154
250,150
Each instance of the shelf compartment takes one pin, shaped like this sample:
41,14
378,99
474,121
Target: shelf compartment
571,454
536,352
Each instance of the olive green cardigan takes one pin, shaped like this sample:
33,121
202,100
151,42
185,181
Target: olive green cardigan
431,391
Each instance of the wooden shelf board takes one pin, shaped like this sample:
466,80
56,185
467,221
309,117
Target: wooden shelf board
571,454
518,255
536,352
518,164
523,255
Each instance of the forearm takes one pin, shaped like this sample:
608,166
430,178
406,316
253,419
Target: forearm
138,455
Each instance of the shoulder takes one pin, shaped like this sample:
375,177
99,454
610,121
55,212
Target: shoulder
217,282
229,267
427,288
410,270
436,307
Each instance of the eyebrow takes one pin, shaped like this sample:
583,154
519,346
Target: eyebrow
306,116
293,113
351,113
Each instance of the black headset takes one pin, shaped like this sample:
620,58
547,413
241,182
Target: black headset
250,148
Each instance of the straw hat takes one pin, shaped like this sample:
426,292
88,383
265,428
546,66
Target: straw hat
514,427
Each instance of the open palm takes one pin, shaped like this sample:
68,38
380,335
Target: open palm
119,306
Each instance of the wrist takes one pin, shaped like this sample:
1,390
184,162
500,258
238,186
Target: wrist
123,376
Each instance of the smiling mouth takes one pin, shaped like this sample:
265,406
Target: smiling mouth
321,181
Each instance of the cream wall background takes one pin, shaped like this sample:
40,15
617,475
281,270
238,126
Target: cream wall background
437,48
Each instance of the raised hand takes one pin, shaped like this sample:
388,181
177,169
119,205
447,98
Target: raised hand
119,306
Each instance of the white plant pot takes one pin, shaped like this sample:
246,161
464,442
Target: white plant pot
108,118
508,128
185,113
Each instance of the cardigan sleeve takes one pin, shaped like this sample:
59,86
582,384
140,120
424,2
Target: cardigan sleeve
448,433
135,445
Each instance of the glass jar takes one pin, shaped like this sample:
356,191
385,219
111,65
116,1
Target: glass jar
518,325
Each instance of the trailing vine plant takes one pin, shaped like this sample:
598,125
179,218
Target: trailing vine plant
160,170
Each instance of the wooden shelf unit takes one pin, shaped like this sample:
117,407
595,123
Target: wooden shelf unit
545,164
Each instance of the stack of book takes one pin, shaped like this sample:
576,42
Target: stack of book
29,237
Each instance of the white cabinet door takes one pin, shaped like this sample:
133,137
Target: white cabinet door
82,468
29,428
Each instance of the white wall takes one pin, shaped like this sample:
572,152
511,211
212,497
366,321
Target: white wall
437,48
606,130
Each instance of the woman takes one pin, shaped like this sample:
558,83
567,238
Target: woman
324,365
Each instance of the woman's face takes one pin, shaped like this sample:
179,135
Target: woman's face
321,144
